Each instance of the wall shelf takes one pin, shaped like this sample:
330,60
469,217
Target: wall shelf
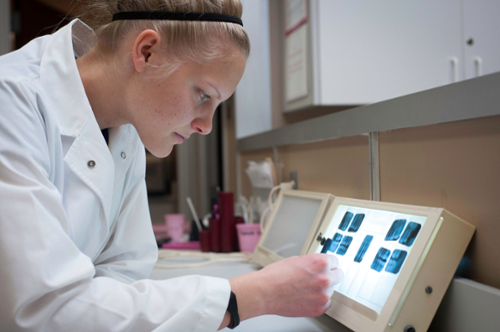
469,99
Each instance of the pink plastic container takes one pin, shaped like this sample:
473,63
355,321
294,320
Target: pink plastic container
160,231
175,226
248,236
190,245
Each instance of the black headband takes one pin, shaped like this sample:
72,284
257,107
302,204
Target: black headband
177,17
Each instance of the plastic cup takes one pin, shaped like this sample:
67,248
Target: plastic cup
205,240
175,226
248,236
215,233
237,220
227,230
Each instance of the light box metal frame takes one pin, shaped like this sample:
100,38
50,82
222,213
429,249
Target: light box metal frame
263,255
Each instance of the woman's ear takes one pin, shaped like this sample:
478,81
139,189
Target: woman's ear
146,49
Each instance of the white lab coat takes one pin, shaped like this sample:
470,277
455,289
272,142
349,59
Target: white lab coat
76,241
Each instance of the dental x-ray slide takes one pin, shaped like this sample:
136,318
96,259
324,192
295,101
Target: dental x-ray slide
372,247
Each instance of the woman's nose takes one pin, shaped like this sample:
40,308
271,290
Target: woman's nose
202,125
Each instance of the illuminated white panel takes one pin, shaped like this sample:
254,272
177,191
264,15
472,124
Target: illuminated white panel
372,247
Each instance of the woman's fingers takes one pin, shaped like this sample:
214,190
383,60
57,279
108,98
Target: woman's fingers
337,275
333,261
299,286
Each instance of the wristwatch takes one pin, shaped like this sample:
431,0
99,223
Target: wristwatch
232,308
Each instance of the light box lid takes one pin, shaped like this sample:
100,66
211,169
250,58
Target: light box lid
291,226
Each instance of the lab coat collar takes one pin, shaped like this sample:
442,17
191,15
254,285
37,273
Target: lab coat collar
60,77
64,89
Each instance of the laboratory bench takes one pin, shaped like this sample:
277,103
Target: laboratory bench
267,323
467,305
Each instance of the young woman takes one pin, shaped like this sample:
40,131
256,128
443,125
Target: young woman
77,108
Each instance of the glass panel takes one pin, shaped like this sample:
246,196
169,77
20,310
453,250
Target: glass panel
290,227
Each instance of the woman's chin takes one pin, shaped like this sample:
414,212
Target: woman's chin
161,153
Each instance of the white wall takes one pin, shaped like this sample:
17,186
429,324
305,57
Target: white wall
253,94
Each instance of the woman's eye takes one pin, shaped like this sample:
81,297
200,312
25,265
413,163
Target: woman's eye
204,96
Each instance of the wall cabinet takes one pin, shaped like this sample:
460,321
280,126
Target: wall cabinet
363,52
253,96
481,28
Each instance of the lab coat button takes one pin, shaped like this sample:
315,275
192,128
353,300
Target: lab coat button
123,155
91,164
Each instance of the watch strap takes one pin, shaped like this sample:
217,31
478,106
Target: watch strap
232,308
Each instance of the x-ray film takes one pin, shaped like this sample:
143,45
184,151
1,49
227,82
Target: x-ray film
372,247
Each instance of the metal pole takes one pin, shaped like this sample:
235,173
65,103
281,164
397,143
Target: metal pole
374,167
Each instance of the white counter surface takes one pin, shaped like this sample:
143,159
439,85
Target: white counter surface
268,323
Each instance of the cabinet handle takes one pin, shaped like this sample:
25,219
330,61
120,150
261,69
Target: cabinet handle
478,65
454,69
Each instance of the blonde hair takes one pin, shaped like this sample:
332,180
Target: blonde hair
183,40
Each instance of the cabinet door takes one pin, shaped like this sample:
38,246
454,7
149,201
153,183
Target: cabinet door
370,51
253,94
482,37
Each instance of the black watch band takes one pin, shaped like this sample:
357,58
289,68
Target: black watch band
232,308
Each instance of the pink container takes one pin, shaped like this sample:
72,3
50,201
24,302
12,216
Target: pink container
190,245
160,231
175,226
248,236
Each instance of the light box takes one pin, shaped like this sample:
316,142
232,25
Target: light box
292,225
398,261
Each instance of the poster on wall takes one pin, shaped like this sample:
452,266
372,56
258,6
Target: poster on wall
296,69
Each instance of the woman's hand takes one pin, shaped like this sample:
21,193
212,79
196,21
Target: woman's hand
293,287
300,286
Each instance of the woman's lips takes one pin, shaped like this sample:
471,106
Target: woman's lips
180,138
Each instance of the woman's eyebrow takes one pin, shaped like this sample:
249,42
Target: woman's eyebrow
217,91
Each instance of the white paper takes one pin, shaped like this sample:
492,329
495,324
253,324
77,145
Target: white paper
260,174
296,70
295,14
